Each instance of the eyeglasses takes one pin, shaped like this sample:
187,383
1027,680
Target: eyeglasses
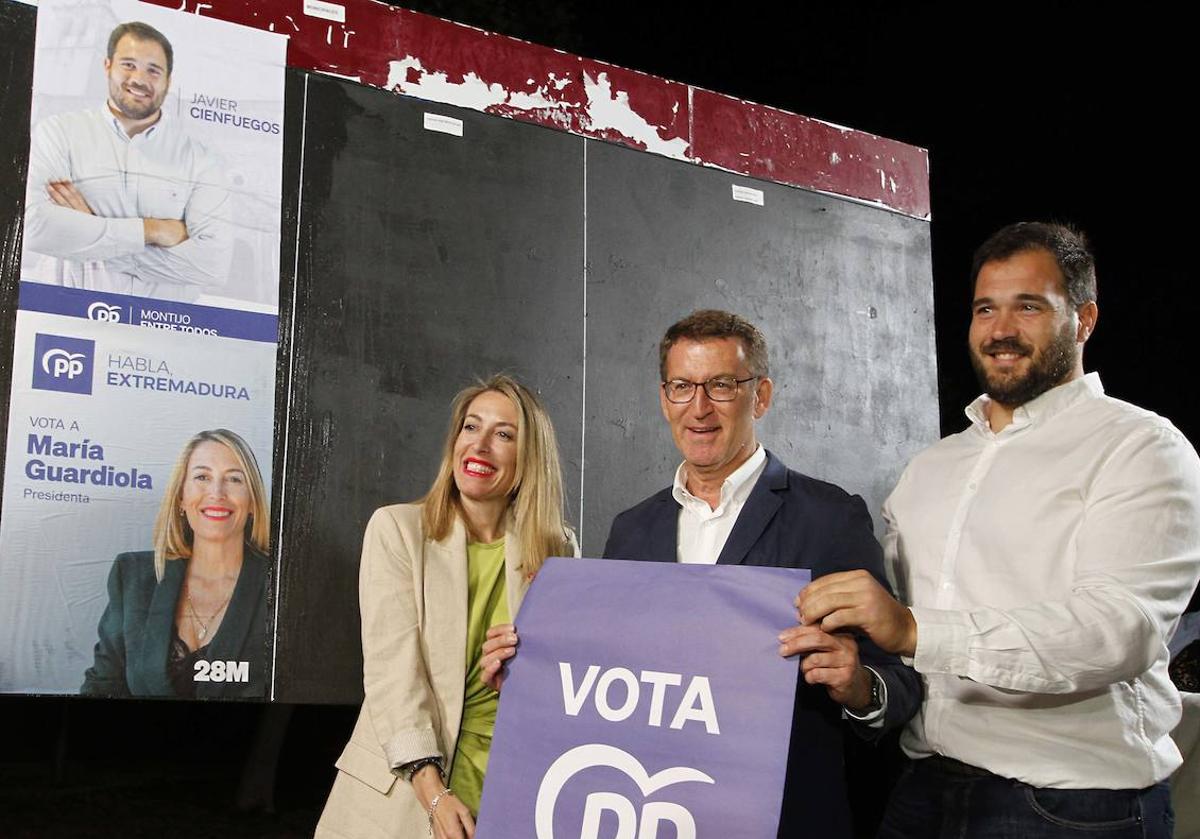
718,389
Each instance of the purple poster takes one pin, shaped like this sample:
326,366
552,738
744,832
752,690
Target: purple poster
648,699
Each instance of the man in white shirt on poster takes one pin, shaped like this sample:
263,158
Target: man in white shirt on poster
121,198
1046,554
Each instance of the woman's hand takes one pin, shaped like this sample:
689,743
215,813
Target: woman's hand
451,818
500,646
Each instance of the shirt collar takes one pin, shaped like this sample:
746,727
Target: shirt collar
1052,402
107,115
737,486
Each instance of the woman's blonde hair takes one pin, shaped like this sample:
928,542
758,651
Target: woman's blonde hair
173,535
536,497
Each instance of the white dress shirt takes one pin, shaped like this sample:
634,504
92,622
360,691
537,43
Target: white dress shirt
703,530
161,173
1047,567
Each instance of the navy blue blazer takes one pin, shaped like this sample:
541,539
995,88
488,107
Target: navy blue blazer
793,521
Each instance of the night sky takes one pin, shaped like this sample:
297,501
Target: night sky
1064,111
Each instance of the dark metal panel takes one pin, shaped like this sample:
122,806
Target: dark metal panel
426,260
841,290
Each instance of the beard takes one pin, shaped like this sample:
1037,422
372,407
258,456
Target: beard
131,108
1047,368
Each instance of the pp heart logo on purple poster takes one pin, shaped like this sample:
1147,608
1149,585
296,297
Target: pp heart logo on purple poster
646,700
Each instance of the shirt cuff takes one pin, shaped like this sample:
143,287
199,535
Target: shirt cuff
872,719
942,639
411,745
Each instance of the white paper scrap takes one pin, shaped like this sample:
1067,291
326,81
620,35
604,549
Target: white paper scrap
444,124
327,11
747,194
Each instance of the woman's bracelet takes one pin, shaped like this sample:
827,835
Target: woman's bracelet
433,805
409,769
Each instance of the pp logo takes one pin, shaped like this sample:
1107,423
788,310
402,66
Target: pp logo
104,312
629,824
62,363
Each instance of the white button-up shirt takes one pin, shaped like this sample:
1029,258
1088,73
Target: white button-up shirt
703,530
161,173
1047,567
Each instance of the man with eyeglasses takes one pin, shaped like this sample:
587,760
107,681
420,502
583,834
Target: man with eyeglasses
733,502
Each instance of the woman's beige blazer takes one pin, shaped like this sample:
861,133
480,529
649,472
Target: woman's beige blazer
413,598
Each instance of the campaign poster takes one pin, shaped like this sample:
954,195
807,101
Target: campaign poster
647,699
183,208
135,555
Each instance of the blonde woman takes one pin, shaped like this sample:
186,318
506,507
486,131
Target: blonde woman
435,575
200,596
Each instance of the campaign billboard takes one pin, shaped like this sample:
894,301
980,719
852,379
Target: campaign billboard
135,554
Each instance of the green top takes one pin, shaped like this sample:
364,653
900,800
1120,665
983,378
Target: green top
487,605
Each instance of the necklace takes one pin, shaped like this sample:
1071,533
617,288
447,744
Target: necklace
203,632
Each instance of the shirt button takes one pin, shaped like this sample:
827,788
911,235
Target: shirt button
971,485
946,586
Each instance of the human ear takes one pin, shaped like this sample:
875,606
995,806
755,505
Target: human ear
1088,314
762,396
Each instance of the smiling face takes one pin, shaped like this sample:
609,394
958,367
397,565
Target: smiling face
216,495
715,438
485,451
137,78
1025,337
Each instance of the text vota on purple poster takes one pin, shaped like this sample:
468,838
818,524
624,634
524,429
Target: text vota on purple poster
646,697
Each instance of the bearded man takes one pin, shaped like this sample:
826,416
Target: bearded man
121,198
1045,554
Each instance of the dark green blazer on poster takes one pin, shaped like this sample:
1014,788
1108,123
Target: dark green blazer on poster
135,630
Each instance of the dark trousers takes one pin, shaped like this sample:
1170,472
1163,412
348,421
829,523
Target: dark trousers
940,798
